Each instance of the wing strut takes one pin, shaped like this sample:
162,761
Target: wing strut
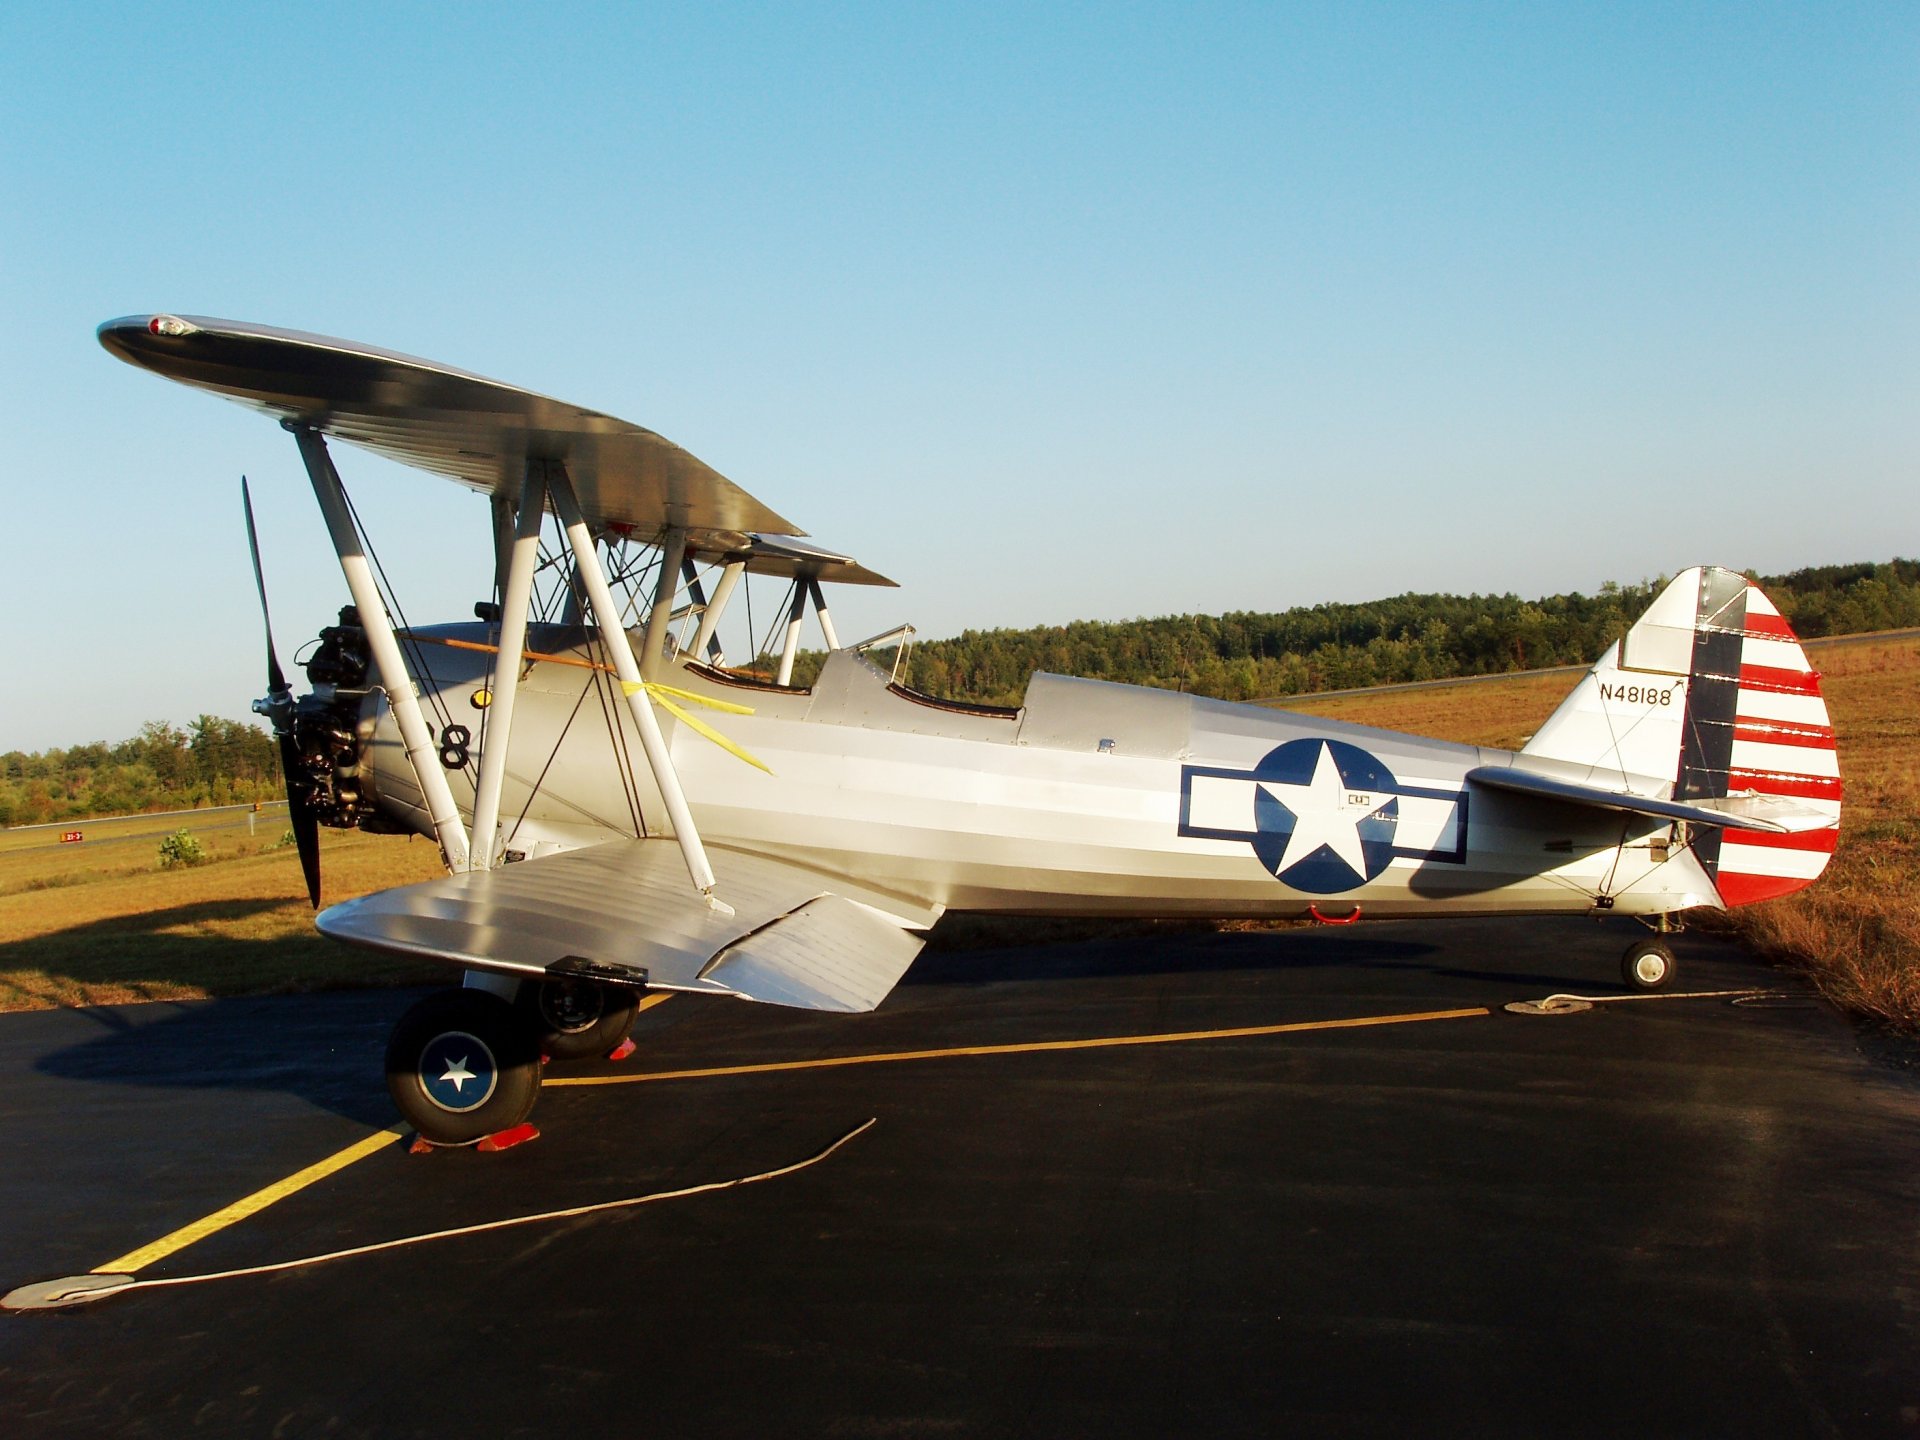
391,665
805,586
606,614
710,617
523,556
697,605
791,645
502,508
673,556
820,614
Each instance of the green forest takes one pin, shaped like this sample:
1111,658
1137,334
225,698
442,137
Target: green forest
211,762
1239,656
1247,656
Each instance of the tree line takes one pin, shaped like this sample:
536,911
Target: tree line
1248,656
211,762
1238,656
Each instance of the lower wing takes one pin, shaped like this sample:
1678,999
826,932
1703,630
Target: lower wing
624,911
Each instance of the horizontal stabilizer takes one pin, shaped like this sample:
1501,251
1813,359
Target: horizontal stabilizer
1766,813
625,911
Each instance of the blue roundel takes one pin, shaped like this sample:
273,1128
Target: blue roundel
1324,813
458,1071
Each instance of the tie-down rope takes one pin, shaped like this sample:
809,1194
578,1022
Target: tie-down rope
78,1289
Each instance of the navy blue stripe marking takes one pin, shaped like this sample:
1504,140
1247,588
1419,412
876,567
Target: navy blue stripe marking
1713,696
1454,854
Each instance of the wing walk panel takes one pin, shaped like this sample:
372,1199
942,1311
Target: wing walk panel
625,907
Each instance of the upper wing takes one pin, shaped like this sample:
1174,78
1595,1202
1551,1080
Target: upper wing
1767,813
471,429
785,556
623,911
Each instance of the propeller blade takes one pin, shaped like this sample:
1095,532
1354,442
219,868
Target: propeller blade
276,681
279,709
306,828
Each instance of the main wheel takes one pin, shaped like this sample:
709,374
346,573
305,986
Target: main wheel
462,1065
578,1019
1648,965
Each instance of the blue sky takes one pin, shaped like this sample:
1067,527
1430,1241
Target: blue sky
1048,312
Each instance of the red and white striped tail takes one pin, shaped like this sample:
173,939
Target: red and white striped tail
1710,693
1782,744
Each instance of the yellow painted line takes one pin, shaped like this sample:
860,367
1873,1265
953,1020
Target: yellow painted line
135,1260
1028,1048
253,1204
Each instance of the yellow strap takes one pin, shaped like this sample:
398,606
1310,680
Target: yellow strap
700,727
654,687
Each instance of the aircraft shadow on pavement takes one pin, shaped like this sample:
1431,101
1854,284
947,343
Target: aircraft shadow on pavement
996,950
325,1046
1055,953
324,1049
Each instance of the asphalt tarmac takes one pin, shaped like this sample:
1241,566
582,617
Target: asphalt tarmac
1667,1217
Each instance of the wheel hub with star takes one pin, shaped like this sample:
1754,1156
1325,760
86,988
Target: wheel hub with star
458,1071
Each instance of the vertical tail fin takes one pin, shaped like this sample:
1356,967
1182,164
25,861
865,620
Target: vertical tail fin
1711,695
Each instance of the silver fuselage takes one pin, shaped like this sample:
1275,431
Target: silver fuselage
1092,799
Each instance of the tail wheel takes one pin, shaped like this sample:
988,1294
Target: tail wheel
1648,965
462,1065
578,1019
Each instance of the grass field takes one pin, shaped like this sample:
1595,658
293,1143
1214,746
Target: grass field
33,857
126,929
1856,930
99,922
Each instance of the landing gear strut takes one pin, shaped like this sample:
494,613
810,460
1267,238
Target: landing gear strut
463,1064
577,1018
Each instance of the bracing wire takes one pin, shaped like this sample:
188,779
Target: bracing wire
552,755
416,652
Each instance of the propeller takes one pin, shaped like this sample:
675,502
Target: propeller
278,708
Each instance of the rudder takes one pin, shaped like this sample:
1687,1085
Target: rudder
1711,693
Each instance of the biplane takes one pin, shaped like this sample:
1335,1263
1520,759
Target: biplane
622,810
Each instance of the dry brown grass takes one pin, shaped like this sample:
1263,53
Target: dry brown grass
236,926
1856,930
125,845
1500,711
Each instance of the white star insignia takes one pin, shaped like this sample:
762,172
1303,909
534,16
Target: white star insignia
1325,813
458,1073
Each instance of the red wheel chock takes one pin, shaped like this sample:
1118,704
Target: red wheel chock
1319,919
488,1145
624,1049
506,1139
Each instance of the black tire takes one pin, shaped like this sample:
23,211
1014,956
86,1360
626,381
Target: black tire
578,1019
1648,965
462,1065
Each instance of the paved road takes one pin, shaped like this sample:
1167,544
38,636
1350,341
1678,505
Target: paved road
108,830
1677,1217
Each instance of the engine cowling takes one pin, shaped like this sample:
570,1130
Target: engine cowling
331,725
